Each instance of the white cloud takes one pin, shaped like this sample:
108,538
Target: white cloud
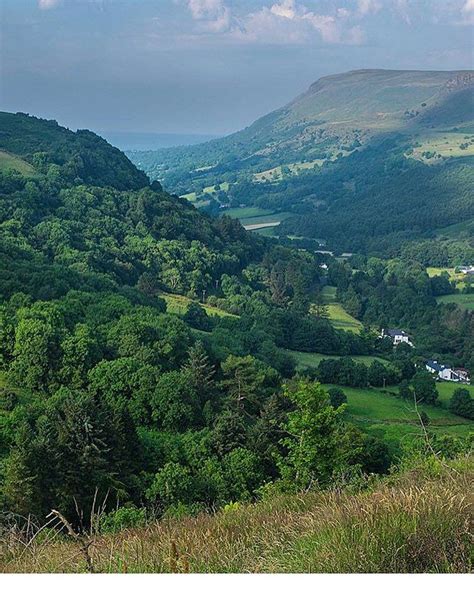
368,6
289,21
403,10
467,13
285,9
468,6
48,4
213,16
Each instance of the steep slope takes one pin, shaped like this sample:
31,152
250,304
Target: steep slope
86,216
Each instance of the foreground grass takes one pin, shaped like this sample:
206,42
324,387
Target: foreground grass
420,521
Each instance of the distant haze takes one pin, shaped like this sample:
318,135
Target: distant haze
143,141
207,66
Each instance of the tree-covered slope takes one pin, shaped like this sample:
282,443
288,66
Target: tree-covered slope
87,212
82,156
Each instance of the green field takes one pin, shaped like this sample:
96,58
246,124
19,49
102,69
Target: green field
340,319
207,190
268,231
178,305
462,300
460,230
265,219
9,162
395,418
244,213
458,278
446,390
250,216
276,173
444,144
311,359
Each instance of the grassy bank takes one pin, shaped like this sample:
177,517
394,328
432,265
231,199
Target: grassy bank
419,521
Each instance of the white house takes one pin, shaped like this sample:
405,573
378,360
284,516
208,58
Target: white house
446,372
397,336
467,269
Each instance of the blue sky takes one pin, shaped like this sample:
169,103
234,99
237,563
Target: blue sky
208,66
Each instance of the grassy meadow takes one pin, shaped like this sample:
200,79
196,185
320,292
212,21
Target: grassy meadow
465,301
444,144
311,359
178,305
377,408
417,521
340,319
192,197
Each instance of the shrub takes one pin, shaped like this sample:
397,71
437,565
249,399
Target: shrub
122,518
337,397
461,403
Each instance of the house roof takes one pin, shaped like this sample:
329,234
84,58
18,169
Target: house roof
395,333
436,365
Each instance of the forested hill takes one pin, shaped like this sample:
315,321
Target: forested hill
82,156
337,113
76,210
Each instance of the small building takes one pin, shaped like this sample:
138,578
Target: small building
397,336
447,373
463,375
467,269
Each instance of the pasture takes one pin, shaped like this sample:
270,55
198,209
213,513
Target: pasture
192,197
340,319
10,162
458,278
440,145
312,359
394,418
178,305
465,301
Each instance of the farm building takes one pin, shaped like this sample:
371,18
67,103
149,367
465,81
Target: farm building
397,336
447,373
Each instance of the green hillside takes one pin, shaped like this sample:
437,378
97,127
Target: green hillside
337,113
367,161
82,156
9,162
147,361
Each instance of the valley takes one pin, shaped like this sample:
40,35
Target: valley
324,152
236,292
182,334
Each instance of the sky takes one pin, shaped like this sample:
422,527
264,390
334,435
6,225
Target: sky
208,66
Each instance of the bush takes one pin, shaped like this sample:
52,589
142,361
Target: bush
337,397
122,518
461,403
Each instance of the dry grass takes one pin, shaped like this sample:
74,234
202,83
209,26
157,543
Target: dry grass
412,523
